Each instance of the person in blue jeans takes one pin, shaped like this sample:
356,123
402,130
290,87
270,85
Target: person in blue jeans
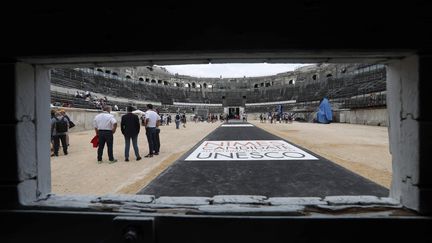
130,128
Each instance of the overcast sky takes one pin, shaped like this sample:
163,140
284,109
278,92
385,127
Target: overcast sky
233,70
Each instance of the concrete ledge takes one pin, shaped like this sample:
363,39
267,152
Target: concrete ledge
251,210
239,199
122,198
66,201
183,200
296,201
135,209
360,200
223,205
359,208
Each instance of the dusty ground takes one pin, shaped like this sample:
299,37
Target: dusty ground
79,173
362,149
359,148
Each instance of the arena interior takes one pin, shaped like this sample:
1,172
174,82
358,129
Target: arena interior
240,180
349,87
357,94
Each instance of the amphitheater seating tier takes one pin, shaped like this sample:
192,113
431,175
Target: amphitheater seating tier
334,88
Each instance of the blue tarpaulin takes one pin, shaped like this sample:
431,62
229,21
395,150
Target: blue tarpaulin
279,109
324,114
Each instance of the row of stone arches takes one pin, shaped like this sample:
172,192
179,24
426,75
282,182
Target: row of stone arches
158,81
175,84
193,85
290,82
197,85
141,79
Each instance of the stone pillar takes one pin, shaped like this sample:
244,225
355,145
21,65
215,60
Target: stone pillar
410,130
43,132
27,134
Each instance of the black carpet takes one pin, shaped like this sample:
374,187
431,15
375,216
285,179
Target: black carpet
272,178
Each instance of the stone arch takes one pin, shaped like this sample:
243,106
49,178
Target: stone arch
141,79
153,81
193,85
128,77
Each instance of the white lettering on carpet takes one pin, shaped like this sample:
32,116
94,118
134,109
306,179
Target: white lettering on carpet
238,150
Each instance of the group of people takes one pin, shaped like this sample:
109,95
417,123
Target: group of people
274,117
60,104
180,119
98,103
105,126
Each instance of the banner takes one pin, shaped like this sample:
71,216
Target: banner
239,150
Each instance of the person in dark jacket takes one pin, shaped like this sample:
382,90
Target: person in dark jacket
130,128
59,128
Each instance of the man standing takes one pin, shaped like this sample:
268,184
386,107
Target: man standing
177,120
152,120
105,126
59,128
184,120
63,113
130,127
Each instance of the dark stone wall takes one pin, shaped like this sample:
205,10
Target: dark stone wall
307,30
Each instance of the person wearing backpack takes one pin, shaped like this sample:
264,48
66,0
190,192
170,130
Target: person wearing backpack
59,128
71,124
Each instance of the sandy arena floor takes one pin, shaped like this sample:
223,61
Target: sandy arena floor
362,149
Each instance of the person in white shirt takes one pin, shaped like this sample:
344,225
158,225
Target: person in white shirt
105,126
152,120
